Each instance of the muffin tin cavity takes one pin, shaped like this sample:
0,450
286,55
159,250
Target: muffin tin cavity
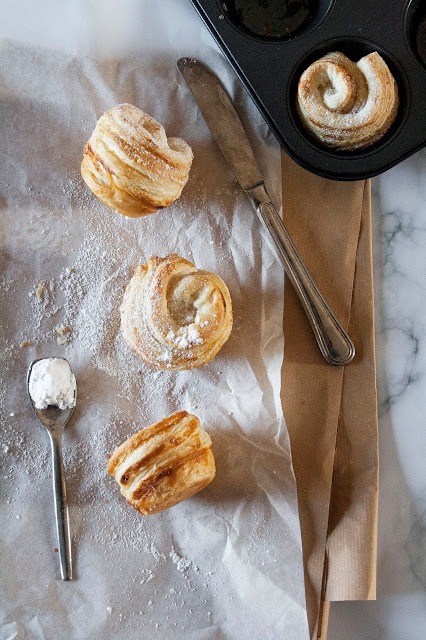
415,24
353,48
275,20
270,61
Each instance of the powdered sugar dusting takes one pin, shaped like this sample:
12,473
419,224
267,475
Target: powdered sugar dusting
179,573
187,337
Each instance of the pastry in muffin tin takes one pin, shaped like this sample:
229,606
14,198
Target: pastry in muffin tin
347,105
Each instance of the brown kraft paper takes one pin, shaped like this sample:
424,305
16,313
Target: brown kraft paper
331,412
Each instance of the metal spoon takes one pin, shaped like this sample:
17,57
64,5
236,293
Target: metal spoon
55,419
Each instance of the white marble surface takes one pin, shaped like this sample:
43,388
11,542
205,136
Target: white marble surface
399,254
399,213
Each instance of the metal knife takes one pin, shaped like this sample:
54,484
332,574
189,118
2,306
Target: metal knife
230,136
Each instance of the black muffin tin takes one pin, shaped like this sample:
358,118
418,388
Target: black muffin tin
270,69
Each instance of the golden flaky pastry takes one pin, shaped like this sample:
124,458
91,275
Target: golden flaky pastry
131,165
175,316
348,105
164,464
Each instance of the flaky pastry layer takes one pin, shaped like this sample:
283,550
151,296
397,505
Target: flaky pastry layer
175,316
131,165
164,464
348,105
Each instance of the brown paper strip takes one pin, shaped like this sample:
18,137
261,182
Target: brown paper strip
352,527
323,620
324,219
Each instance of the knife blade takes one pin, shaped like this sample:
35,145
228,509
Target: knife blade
222,120
231,138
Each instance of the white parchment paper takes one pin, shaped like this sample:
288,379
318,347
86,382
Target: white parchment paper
226,563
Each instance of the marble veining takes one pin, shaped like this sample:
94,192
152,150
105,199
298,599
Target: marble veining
399,254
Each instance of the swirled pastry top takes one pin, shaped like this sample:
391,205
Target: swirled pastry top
164,464
175,316
131,165
345,104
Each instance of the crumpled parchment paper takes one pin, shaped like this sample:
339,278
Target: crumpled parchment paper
226,563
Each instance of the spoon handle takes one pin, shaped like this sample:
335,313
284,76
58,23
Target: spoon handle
61,507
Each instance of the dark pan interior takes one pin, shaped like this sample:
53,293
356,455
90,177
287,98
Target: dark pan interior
277,20
270,67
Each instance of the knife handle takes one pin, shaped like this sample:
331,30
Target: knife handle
333,341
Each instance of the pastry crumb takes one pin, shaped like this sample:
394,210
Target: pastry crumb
40,289
55,549
63,330
64,334
26,343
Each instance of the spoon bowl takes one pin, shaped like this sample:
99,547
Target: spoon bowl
53,418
